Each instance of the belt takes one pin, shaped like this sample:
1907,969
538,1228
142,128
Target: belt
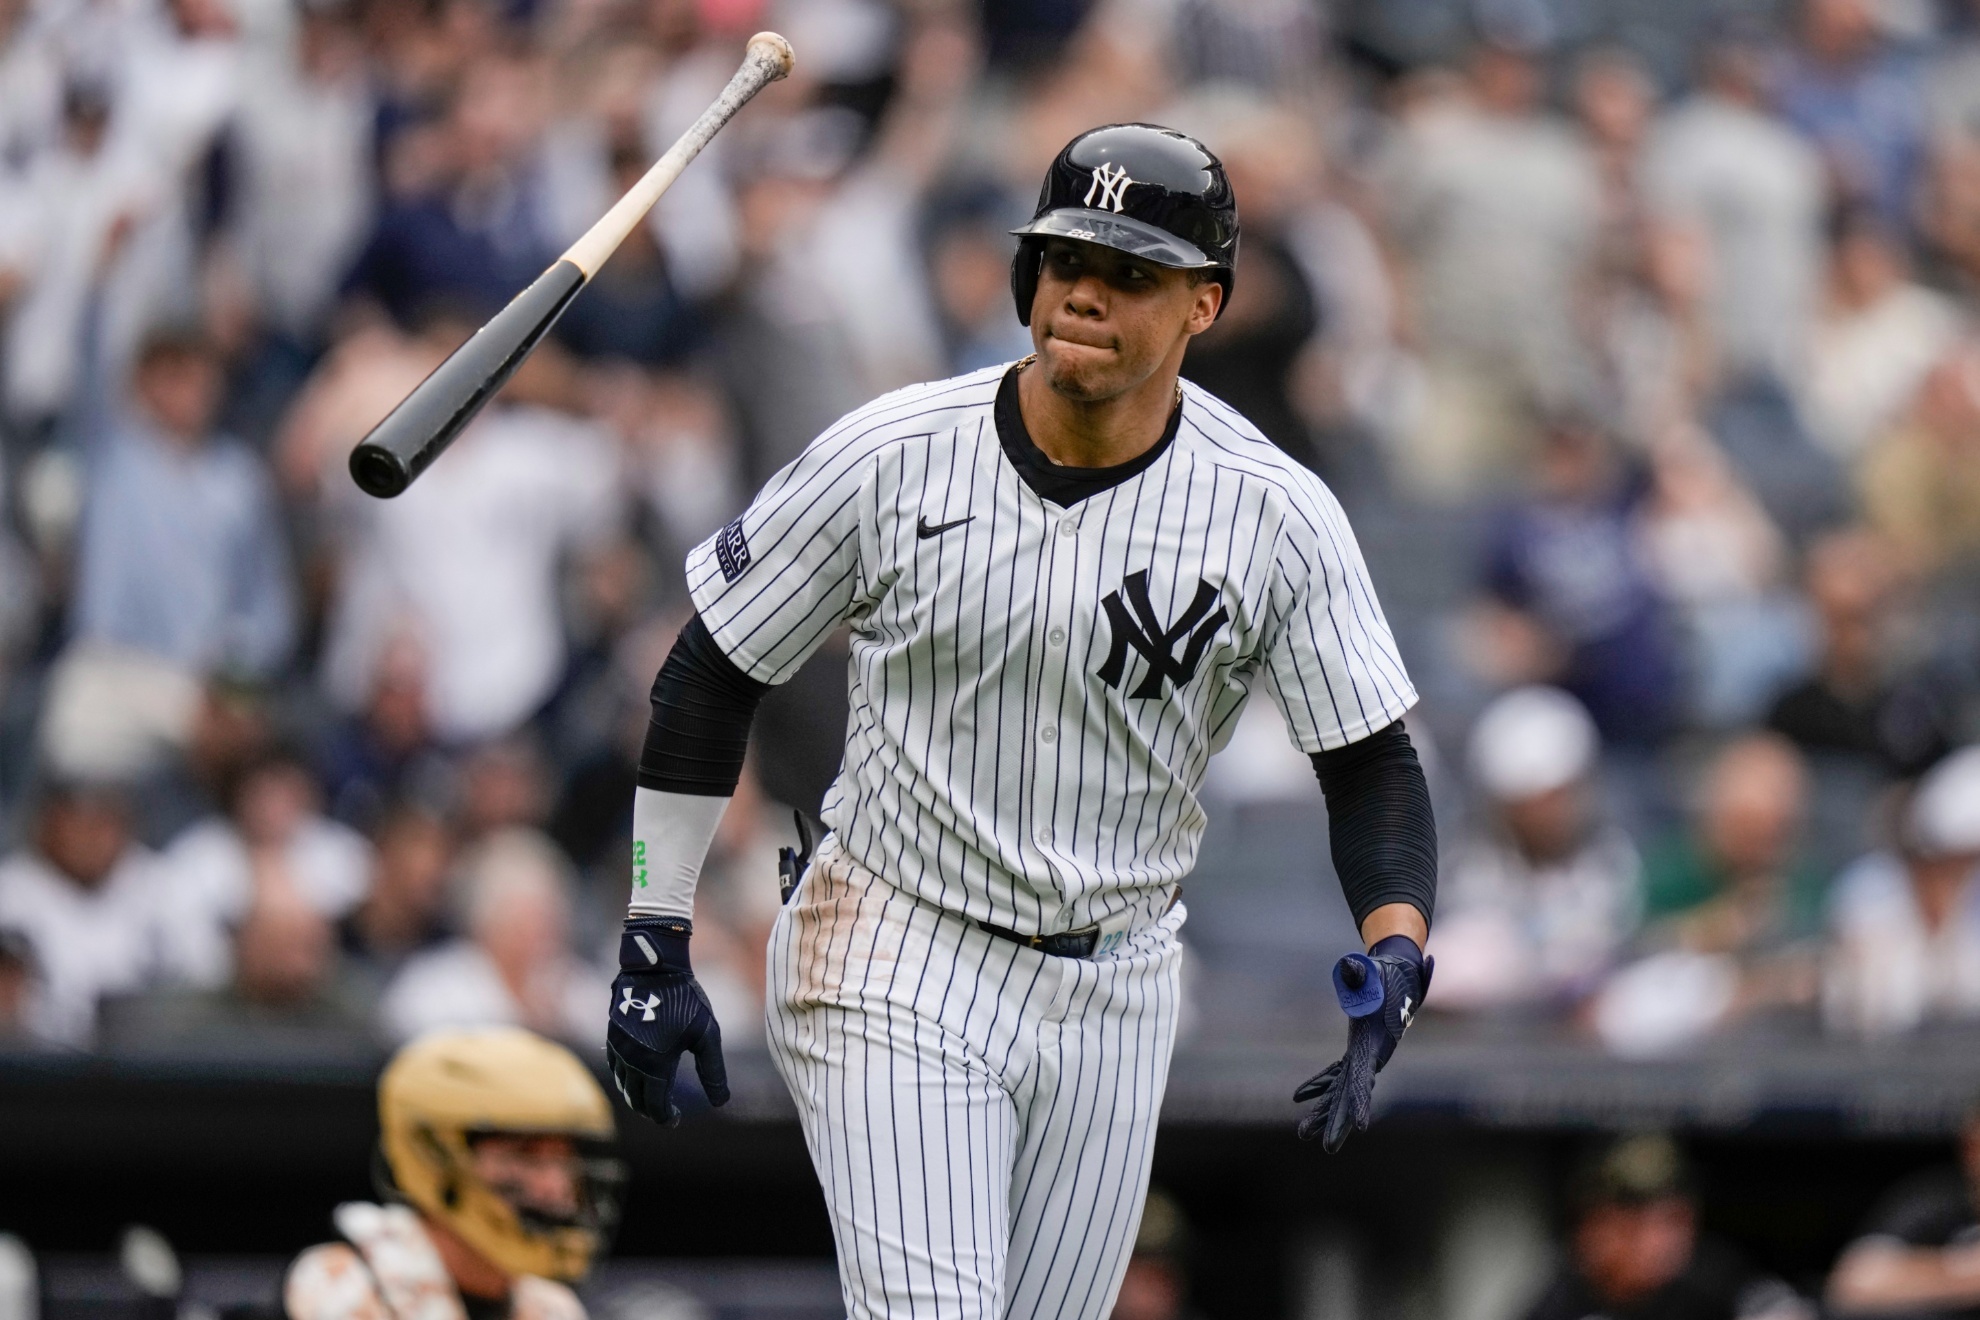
1081,943
1102,937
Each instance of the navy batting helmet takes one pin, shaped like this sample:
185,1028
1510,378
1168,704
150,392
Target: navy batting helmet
1151,192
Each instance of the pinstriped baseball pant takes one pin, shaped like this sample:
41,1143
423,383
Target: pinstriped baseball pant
981,1115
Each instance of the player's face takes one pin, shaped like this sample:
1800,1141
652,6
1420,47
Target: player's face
538,1173
1103,322
1630,1251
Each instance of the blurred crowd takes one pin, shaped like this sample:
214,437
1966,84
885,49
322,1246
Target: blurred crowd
1629,1234
1647,370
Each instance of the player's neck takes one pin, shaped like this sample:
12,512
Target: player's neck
473,1273
1100,434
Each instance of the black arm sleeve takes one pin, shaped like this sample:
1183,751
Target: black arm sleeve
702,707
1379,825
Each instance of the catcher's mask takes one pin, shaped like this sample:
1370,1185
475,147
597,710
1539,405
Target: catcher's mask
449,1096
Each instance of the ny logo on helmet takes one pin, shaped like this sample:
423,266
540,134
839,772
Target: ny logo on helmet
1134,624
627,1004
1110,185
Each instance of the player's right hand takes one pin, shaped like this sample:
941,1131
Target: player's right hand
658,1010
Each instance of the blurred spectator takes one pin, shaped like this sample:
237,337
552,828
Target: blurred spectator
1734,913
1496,207
301,200
503,786
1860,101
384,751
1636,1253
1876,336
18,972
1568,597
1919,1253
467,565
1658,358
969,260
65,222
1356,375
1735,881
1156,1285
90,905
1920,482
1719,560
30,88
285,991
1953,87
515,966
182,568
1721,164
834,284
303,146
1613,100
471,235
1858,703
1248,358
1537,901
631,309
681,456
405,910
272,836
181,80
1905,922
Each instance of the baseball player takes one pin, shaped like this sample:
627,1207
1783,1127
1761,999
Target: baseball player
1063,578
494,1192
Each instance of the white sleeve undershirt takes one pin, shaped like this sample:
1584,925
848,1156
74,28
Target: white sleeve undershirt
671,834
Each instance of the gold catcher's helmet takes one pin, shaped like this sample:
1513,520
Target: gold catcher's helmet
448,1089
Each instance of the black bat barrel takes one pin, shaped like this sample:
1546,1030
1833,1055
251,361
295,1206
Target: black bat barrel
420,428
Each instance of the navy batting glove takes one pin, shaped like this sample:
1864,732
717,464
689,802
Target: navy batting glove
1380,992
658,1010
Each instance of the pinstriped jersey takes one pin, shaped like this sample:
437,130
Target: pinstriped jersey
1036,689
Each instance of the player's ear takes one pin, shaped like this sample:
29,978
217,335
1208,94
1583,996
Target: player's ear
1203,311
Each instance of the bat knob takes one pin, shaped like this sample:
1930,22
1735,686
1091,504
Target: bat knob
378,471
774,51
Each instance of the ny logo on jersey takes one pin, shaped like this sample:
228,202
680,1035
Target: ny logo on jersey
1155,641
1110,185
629,1005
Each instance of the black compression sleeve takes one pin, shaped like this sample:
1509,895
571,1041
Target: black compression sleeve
702,706
1381,831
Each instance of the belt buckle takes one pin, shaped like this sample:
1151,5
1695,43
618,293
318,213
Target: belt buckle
1090,935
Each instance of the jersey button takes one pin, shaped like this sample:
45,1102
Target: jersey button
1070,527
1048,734
1057,637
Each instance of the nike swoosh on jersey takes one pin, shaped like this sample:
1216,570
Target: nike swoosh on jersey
923,531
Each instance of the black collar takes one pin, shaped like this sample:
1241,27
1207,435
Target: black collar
1066,486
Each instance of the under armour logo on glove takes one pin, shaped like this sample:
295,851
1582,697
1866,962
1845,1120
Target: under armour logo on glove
629,1005
1134,624
660,1011
1380,991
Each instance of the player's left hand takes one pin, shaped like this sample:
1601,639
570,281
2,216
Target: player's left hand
1380,991
659,1010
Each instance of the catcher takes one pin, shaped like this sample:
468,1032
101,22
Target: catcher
497,1190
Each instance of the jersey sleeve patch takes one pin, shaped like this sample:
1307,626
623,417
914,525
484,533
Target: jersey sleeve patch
732,550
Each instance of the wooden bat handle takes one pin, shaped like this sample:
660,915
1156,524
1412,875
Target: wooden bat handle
768,59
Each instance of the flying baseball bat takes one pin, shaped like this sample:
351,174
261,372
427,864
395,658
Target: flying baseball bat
427,420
